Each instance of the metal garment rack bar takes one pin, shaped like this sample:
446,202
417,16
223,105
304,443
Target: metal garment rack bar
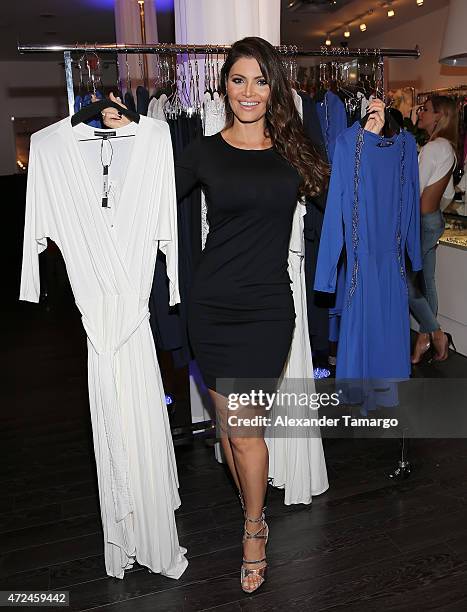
162,48
458,89
166,48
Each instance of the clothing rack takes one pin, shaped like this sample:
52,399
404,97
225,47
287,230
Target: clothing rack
447,91
161,48
169,48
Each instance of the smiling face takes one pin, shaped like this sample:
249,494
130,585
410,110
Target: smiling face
247,90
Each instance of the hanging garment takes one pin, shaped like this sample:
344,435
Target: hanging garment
156,107
130,100
169,325
317,304
333,120
374,207
81,101
296,463
214,122
109,254
142,100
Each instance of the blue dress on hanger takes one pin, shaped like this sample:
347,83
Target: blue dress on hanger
333,120
373,206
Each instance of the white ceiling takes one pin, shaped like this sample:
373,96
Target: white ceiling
69,21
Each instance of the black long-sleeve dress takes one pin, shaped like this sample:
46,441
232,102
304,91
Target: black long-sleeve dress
241,313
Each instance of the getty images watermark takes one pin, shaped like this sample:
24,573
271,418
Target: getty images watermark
276,401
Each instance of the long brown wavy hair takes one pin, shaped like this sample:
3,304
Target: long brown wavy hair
283,123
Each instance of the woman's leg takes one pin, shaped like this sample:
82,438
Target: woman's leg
424,305
220,402
432,230
247,456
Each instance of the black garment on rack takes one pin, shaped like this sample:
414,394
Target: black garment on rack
169,324
142,100
317,303
129,100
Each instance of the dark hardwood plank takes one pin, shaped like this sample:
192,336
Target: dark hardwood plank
34,580
368,544
30,517
63,530
49,554
354,589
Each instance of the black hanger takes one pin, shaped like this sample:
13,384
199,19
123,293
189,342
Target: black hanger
90,111
389,120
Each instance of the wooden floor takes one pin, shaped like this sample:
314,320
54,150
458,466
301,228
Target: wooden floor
367,544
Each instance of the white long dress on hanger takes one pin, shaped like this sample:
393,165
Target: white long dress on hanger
110,256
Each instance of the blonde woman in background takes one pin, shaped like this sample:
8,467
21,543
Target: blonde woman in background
437,161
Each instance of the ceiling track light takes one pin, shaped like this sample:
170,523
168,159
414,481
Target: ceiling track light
347,32
363,27
328,41
391,11
419,2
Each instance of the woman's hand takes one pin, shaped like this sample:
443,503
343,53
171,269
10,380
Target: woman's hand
111,118
376,120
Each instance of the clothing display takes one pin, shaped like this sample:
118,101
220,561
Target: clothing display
333,120
81,101
297,464
142,100
169,324
241,309
317,307
373,207
213,123
156,107
109,247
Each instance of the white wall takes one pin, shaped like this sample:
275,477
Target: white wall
28,89
425,73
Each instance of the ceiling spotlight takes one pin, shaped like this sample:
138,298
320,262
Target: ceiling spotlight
328,41
362,27
347,32
419,2
391,11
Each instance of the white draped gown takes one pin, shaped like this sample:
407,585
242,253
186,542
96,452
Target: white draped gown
110,255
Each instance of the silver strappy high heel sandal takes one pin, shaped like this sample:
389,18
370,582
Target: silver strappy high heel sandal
242,501
259,572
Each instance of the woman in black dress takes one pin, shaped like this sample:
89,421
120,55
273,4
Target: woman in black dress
241,312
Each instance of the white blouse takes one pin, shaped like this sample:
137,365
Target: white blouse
435,160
